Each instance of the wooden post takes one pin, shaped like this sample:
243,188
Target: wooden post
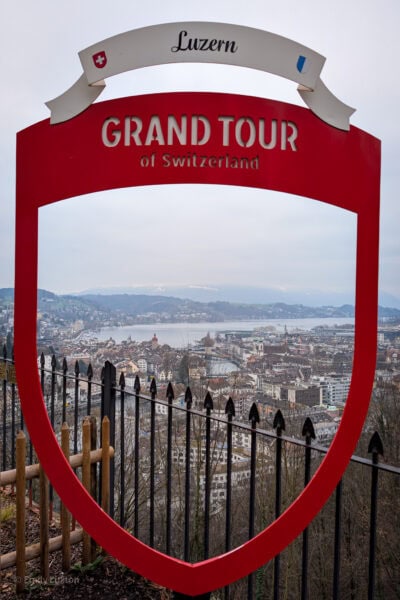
65,515
86,546
93,478
20,511
105,464
44,523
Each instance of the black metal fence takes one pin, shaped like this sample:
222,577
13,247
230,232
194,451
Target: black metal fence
193,481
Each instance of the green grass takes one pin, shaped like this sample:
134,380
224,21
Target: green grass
7,513
82,569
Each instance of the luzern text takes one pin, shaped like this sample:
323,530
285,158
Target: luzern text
203,44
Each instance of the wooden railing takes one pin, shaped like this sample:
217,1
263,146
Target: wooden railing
70,534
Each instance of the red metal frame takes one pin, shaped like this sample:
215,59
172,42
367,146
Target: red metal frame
329,165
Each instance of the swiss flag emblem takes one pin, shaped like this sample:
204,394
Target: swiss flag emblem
100,59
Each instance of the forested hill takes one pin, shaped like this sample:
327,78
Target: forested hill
140,304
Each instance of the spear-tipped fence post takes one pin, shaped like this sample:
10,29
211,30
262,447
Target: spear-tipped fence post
42,365
170,398
153,393
52,404
109,389
254,418
76,406
279,425
102,415
375,448
44,523
53,388
122,450
208,405
4,461
102,399
13,411
21,415
65,515
93,477
86,473
64,390
309,433
89,375
230,413
337,544
136,387
188,402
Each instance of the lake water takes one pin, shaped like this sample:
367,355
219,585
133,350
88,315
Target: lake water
182,335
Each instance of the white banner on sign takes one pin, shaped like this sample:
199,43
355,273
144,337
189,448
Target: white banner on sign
207,43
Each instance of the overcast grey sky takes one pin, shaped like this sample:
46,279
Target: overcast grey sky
201,235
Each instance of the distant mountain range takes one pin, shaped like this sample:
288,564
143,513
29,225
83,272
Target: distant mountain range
244,295
155,307
179,309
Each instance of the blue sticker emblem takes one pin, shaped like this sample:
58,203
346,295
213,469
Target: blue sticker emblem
302,65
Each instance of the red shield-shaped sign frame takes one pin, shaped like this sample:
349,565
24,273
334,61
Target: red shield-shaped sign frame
336,167
100,59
